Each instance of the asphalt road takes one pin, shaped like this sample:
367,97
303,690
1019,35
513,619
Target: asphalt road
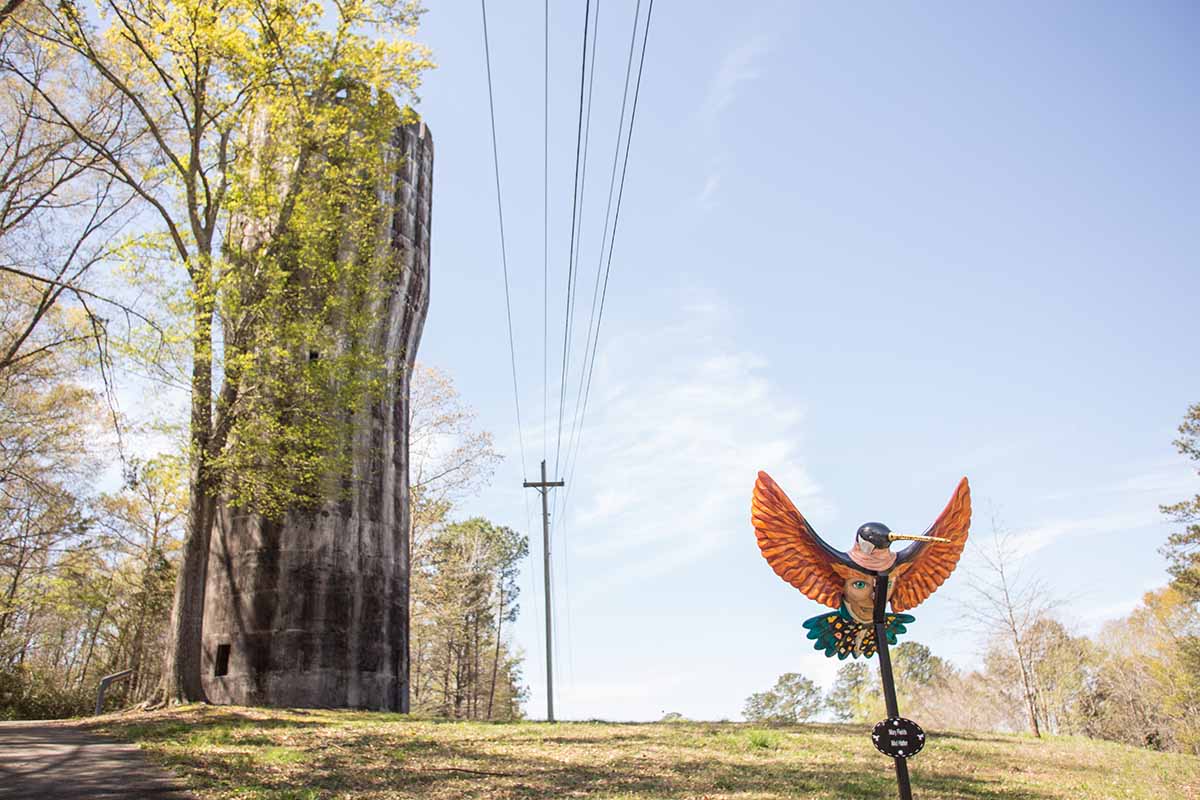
48,761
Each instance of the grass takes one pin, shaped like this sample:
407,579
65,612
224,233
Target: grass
273,754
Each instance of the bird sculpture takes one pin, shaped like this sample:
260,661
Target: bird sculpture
845,581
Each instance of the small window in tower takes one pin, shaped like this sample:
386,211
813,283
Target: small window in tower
222,666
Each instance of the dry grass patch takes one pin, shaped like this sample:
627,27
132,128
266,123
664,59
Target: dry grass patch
225,752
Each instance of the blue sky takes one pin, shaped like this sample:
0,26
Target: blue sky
869,250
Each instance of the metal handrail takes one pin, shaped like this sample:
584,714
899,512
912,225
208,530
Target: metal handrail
104,682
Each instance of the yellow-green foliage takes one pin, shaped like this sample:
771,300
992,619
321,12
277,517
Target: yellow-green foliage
307,294
258,147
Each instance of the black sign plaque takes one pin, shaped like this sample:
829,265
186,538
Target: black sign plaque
898,737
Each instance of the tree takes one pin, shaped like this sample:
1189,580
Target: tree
47,455
60,217
921,678
241,104
793,699
1183,547
141,530
854,693
1145,690
94,602
1007,604
468,592
448,457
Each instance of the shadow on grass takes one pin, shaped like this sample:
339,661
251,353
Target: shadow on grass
365,754
212,723
428,768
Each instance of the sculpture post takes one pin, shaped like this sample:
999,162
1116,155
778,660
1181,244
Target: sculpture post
885,675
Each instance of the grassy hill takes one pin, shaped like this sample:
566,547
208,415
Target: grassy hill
226,752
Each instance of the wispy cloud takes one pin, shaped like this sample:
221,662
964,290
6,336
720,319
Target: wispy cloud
1125,503
740,65
670,455
1030,541
708,195
1164,482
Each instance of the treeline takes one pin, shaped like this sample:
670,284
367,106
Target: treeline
87,578
462,663
464,602
1136,682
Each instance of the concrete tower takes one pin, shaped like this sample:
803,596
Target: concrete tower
312,610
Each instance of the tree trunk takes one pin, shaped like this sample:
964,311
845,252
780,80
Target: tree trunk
1030,705
12,592
181,670
138,643
496,658
446,680
475,670
95,634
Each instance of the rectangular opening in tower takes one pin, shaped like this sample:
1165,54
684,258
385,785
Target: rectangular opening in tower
222,666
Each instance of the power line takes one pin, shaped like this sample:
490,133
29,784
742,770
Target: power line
562,393
512,352
607,220
504,263
597,318
545,227
579,197
577,247
582,193
594,341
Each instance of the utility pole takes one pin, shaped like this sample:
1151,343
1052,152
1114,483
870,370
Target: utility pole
543,488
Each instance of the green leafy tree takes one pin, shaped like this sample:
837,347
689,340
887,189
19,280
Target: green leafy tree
140,529
1146,688
262,133
853,695
792,700
464,597
1183,546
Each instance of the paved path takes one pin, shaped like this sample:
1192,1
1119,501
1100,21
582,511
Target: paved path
47,761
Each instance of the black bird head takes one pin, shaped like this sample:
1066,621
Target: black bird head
874,534
877,536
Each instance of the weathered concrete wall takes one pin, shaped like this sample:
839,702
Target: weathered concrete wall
313,610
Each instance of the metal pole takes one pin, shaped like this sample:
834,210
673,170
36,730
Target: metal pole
103,688
546,576
885,673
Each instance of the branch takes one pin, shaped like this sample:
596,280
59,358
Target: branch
78,290
122,173
8,9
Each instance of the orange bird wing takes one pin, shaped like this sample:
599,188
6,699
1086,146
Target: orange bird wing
923,566
792,547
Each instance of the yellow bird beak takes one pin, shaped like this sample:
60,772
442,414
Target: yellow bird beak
909,537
